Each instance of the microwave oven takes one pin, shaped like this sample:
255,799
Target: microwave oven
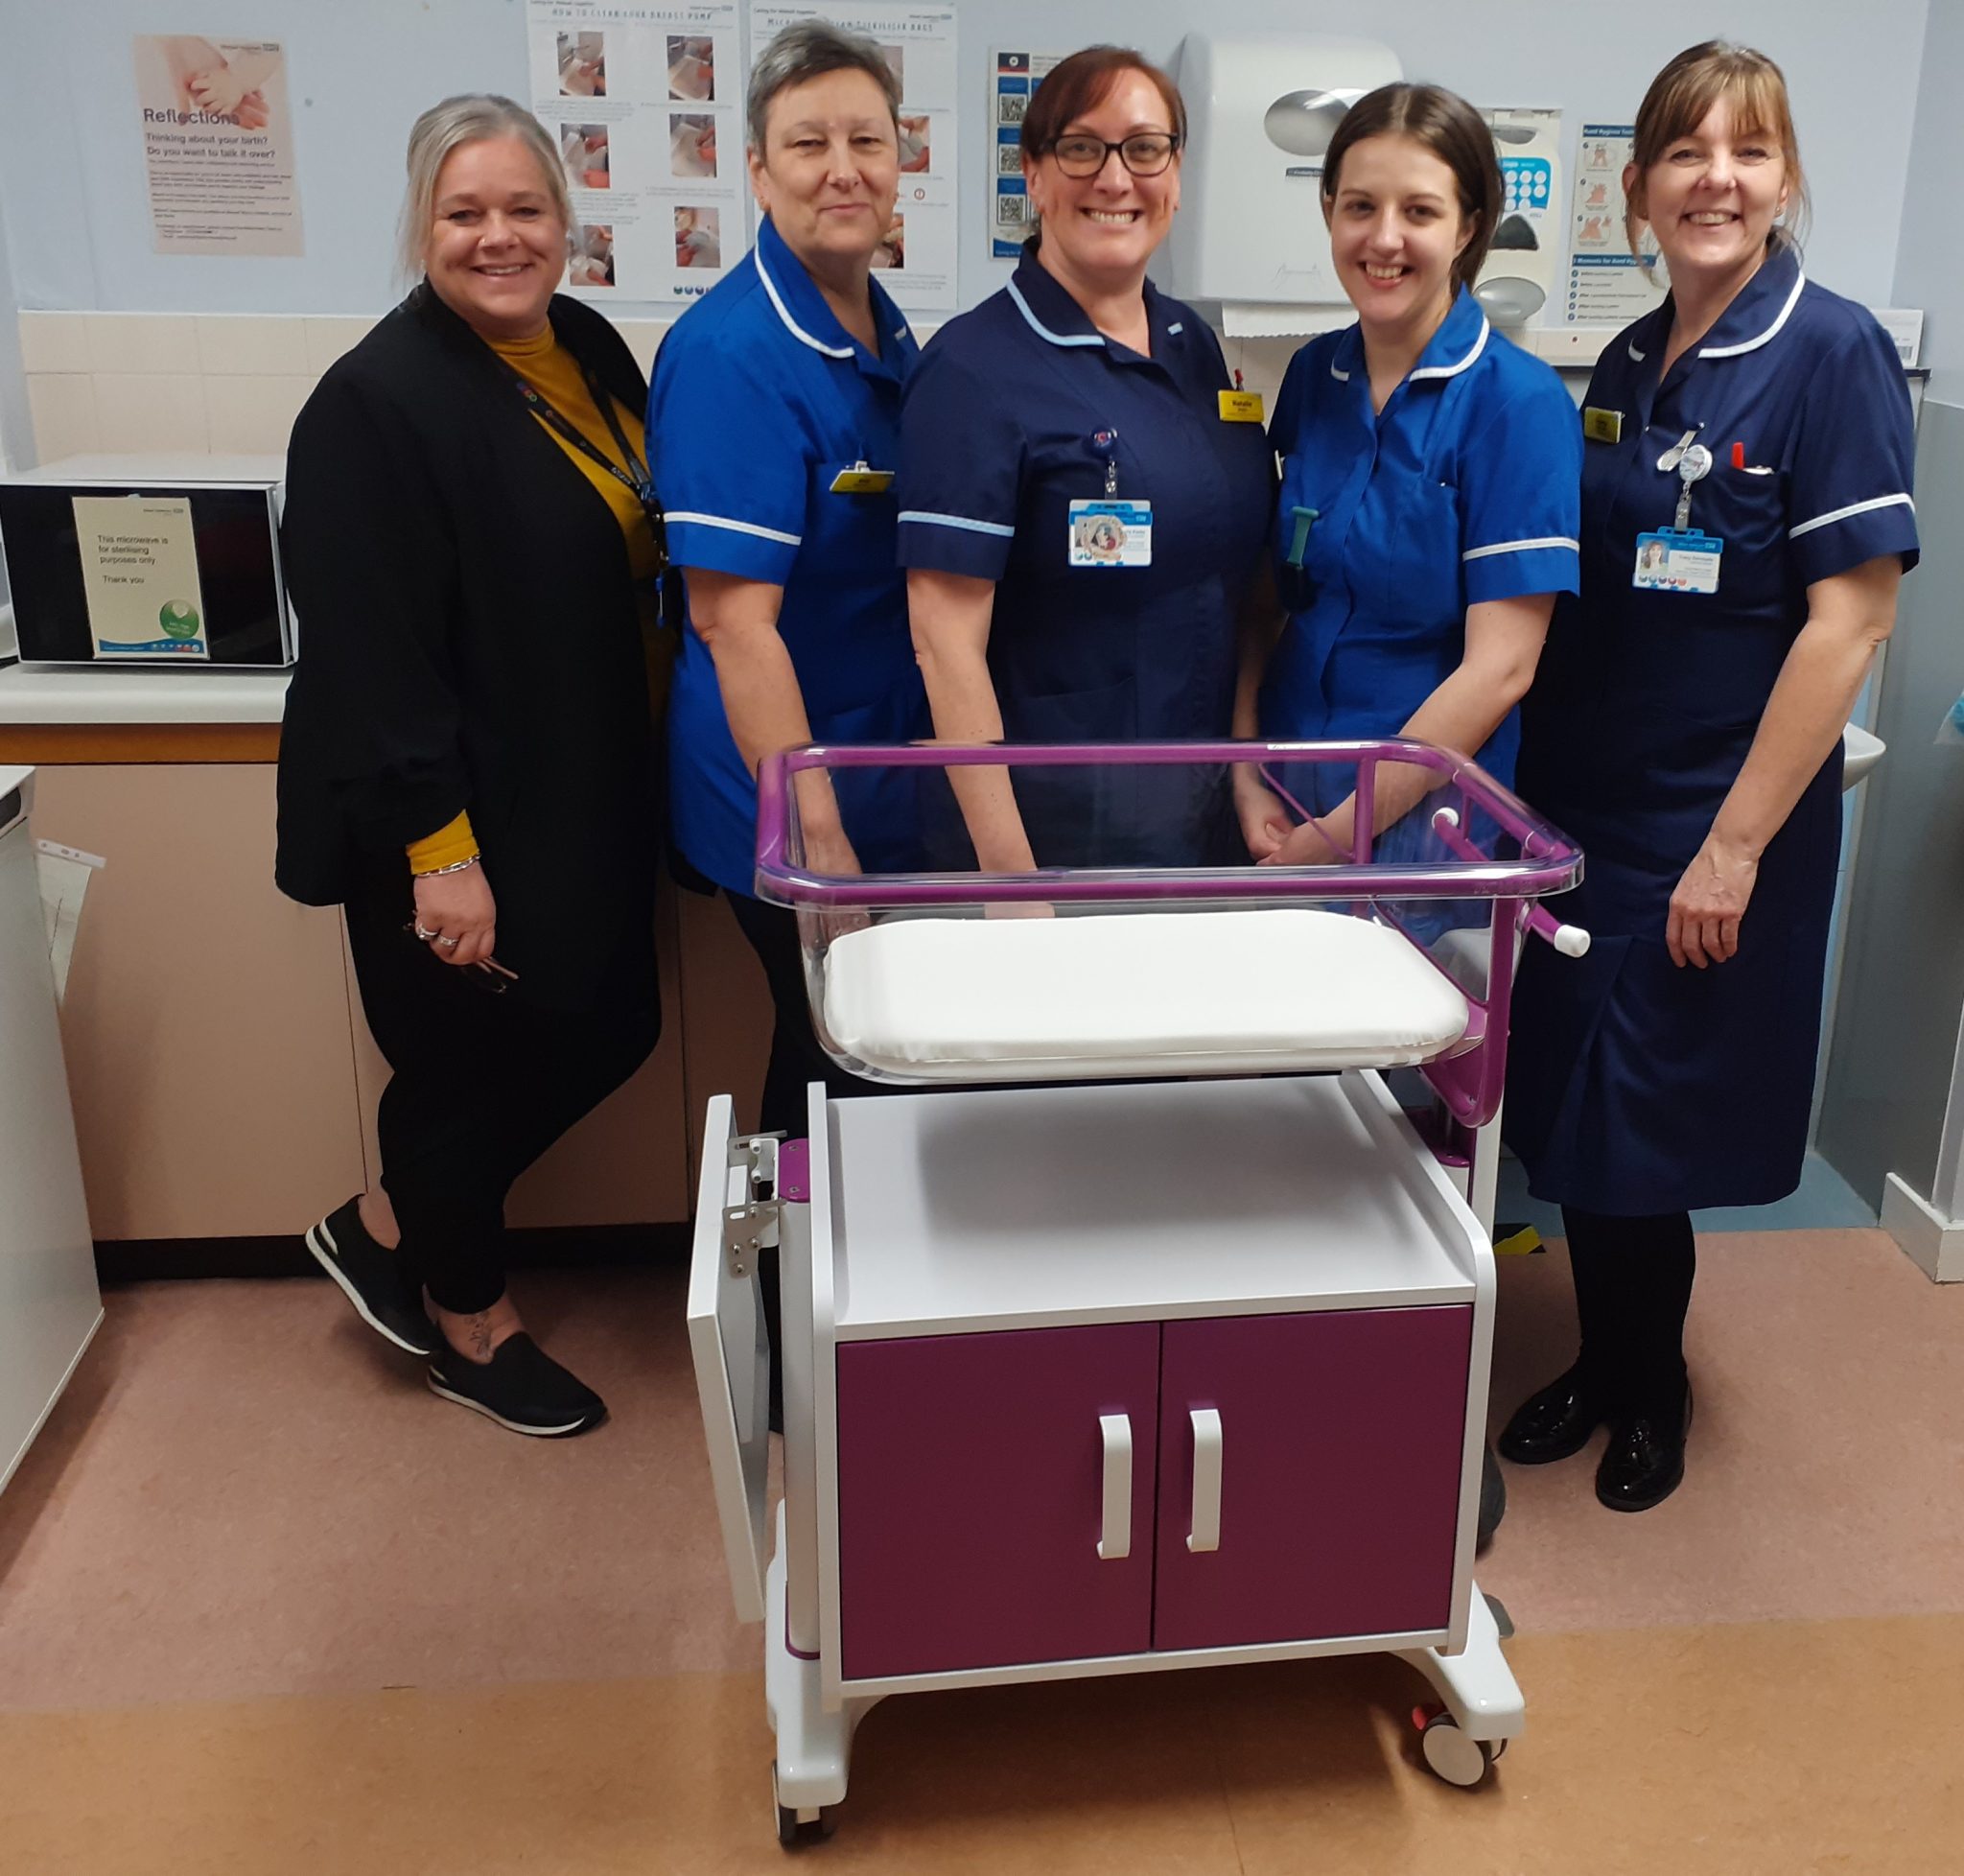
158,560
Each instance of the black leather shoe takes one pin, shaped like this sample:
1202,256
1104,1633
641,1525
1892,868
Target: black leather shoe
1643,1461
1555,1423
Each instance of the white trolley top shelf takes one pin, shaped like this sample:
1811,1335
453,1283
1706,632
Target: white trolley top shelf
1020,1208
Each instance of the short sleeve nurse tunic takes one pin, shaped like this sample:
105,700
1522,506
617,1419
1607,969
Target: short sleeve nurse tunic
1020,409
1389,525
761,408
1637,1087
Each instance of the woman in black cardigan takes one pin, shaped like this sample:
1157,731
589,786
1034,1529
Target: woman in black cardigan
467,762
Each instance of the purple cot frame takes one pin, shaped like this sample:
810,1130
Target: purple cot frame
1469,1080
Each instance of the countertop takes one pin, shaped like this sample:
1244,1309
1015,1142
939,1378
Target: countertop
83,693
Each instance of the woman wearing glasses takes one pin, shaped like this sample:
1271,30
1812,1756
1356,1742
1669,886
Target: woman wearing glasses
1083,497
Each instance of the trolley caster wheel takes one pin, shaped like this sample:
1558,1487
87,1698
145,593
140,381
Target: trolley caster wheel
1450,1753
794,1835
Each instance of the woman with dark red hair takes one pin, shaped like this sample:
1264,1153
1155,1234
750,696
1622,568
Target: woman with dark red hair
1083,496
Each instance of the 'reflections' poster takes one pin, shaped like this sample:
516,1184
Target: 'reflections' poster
646,103
917,258
218,145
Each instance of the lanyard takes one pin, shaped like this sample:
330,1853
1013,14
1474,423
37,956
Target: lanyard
634,476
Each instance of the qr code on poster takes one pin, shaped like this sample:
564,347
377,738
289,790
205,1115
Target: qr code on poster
1010,107
1012,211
1009,158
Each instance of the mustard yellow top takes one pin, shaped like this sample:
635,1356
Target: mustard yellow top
551,370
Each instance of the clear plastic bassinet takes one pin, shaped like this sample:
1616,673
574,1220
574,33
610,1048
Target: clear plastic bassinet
1143,942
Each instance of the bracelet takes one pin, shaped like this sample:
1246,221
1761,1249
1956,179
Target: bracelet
455,866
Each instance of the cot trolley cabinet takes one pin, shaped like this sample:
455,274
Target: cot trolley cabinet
1085,1375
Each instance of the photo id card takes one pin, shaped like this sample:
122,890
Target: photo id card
1111,533
1678,560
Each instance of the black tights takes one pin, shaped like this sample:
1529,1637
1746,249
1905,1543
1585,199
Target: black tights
1633,1289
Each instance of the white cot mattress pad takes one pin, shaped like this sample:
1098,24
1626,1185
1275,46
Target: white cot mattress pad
1135,993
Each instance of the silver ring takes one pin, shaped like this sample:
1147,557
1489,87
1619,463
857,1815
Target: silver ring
449,943
421,933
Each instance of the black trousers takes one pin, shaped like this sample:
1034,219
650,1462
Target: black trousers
796,1058
481,1085
1633,1290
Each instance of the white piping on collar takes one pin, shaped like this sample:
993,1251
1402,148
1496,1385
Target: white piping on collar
1453,370
1754,345
1342,377
1636,357
791,326
1044,331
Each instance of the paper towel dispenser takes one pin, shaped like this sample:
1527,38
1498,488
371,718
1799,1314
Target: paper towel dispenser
1260,114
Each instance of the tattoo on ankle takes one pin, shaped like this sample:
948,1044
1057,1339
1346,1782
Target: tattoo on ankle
479,1330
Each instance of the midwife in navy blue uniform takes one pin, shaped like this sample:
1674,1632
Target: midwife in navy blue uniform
1687,731
774,425
1083,497
1428,511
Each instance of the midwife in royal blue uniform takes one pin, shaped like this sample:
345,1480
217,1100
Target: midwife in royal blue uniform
1428,509
1083,497
774,425
1746,520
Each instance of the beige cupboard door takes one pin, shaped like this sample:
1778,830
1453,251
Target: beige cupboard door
206,1023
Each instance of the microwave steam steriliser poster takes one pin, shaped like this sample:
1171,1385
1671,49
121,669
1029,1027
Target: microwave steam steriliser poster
139,574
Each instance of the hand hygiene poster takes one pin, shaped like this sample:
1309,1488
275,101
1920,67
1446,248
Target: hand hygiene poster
1608,284
645,105
917,258
218,145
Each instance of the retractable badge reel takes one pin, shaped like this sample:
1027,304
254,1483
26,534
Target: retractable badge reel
1680,559
1110,532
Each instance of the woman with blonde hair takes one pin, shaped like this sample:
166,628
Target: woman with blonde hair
471,539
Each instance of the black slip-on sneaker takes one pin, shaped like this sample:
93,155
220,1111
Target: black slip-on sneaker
371,1279
521,1387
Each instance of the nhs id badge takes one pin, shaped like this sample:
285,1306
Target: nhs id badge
1111,533
1678,560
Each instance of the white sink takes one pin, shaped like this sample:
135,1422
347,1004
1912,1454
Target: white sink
1861,752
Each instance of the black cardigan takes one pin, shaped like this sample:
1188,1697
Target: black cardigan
469,639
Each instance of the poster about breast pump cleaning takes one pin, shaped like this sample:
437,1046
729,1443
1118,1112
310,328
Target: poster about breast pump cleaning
645,105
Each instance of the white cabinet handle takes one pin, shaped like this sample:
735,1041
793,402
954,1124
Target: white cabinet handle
1205,1534
1117,1432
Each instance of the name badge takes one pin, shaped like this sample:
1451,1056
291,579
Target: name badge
859,479
1241,406
1603,426
1678,560
1111,533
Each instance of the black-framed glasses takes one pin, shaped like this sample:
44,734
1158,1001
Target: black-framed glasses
1145,155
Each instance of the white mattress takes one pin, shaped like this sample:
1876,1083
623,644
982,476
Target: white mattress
1134,994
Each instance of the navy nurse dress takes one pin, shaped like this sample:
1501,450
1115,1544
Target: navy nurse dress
1636,1086
1016,409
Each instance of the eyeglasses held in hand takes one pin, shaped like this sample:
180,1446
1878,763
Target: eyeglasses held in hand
1146,154
490,976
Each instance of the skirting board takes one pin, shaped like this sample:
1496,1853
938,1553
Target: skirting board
1933,1242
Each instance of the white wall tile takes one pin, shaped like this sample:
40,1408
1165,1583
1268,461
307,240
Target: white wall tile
643,339
328,337
149,411
63,406
53,341
253,416
142,341
265,345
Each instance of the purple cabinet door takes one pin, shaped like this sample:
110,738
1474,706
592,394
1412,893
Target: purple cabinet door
1338,1467
972,1498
